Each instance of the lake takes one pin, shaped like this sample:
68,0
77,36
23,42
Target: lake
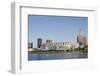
55,56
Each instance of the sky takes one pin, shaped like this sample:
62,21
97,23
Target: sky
59,28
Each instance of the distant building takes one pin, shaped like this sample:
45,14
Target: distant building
75,45
49,41
56,45
62,45
30,45
85,40
39,42
43,46
81,40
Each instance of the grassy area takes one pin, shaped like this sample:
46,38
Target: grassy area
40,51
44,51
54,51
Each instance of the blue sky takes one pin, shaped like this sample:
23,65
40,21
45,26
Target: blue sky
60,28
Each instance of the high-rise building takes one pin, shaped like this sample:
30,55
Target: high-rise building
39,42
81,39
30,45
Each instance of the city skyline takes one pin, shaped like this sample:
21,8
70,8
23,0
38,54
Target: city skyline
60,28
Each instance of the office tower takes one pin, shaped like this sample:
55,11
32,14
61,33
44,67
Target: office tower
39,42
81,39
30,45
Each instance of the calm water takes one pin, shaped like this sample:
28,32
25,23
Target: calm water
54,56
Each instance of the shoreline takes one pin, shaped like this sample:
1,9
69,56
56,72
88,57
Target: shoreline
53,52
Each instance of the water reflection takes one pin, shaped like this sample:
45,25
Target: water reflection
54,56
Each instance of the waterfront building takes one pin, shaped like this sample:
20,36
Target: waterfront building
30,45
39,42
49,41
82,40
76,45
57,45
43,46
